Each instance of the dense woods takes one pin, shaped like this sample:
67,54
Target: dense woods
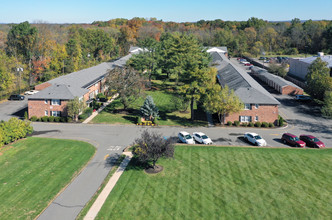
34,53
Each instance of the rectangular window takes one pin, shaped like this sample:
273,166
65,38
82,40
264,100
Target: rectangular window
256,106
56,113
46,101
46,113
91,95
56,102
245,118
256,118
247,106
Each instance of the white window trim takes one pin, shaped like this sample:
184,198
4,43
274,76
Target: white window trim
245,118
46,101
53,102
256,106
256,118
46,113
56,113
245,106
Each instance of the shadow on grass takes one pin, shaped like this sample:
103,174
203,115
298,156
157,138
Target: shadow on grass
135,164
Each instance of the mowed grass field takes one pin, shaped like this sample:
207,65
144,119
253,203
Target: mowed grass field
227,183
34,170
166,101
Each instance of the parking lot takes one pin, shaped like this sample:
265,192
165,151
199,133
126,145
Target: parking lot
13,108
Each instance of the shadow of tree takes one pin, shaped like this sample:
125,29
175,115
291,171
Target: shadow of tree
42,132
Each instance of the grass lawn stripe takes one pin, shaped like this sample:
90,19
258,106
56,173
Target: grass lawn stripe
232,183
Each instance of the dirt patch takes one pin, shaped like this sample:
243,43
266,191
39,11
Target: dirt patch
156,169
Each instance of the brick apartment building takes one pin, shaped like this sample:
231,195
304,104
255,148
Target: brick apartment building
53,95
260,105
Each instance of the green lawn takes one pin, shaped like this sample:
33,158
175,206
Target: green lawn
34,170
163,98
227,183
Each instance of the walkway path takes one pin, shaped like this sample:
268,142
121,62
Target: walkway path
95,208
94,114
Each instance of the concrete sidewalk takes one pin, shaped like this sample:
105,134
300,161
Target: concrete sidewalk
95,208
94,114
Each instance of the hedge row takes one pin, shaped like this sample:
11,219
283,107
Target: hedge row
51,119
251,124
13,130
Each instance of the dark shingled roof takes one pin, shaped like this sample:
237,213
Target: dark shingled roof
244,86
76,83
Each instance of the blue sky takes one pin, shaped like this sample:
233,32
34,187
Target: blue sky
87,11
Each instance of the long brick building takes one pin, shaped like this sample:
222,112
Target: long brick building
259,104
53,95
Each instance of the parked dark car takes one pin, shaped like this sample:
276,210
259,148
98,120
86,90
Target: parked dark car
16,97
312,141
302,98
292,139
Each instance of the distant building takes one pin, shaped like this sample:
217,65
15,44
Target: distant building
259,104
299,67
218,50
278,83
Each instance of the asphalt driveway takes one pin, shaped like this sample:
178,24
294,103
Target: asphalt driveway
13,108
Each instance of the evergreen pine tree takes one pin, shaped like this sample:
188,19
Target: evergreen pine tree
149,110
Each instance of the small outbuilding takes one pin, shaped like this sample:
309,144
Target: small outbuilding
278,83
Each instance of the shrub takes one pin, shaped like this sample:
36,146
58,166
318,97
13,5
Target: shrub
229,123
57,119
13,130
271,125
258,124
251,124
69,119
265,124
280,121
44,118
38,119
139,120
245,124
63,119
236,123
51,119
26,115
33,118
155,121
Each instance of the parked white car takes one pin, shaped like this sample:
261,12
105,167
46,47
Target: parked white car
31,92
254,139
185,137
202,138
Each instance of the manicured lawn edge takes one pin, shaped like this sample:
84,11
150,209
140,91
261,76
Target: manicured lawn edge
38,166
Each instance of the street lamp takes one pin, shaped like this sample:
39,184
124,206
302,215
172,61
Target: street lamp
19,71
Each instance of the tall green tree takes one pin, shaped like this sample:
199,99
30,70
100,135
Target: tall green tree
223,102
147,60
318,79
21,40
188,62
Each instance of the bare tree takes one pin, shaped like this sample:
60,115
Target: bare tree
127,83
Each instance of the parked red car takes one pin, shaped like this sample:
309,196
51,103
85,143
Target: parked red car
248,64
292,139
312,141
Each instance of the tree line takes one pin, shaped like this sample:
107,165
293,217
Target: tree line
34,53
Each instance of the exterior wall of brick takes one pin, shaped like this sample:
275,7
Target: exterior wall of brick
93,89
38,108
291,90
42,86
265,113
